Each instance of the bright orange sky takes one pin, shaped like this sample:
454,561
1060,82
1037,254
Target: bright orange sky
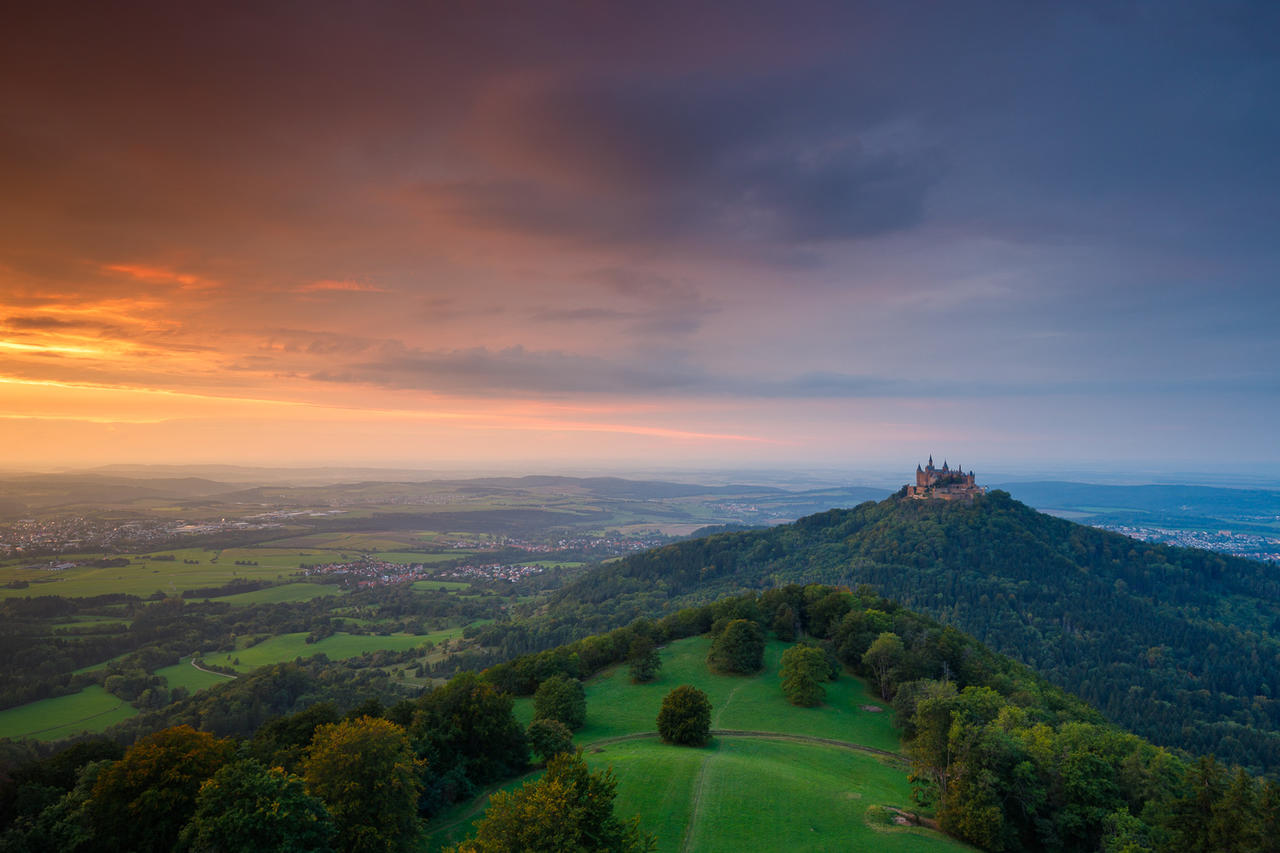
424,236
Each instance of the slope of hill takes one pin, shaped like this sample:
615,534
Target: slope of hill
1175,644
831,783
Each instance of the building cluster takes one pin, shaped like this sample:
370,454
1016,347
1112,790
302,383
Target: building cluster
1254,546
510,572
70,534
945,483
367,571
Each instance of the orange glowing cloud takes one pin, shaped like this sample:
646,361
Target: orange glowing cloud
339,286
161,275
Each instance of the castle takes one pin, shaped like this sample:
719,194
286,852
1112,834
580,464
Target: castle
943,483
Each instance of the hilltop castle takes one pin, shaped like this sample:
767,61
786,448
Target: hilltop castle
943,483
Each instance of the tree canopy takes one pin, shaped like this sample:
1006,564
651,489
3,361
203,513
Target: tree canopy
247,807
561,698
739,648
803,670
367,776
685,717
568,809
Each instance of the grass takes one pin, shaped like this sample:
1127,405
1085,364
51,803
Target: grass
340,646
140,578
91,710
423,586
799,796
616,707
183,674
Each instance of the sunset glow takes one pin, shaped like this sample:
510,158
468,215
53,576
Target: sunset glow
419,235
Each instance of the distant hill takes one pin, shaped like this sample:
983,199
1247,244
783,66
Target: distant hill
614,487
1178,645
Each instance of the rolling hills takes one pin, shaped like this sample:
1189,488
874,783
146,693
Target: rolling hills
1175,644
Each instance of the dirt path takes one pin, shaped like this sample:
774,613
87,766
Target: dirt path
211,671
686,843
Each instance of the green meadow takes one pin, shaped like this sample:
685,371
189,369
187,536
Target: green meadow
142,577
617,707
799,795
183,674
340,646
91,710
425,586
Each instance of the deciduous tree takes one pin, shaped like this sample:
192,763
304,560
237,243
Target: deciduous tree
568,809
561,698
739,648
549,738
367,777
142,801
644,661
804,668
685,717
247,807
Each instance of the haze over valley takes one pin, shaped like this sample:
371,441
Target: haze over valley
601,427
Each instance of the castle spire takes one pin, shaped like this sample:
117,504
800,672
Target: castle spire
930,460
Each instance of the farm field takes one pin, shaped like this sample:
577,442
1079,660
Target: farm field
139,578
802,795
91,710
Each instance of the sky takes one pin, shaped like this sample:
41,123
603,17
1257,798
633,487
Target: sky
670,234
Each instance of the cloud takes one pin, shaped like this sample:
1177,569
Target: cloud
331,286
161,275
524,373
43,323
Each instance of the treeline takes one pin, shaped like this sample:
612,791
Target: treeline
1179,645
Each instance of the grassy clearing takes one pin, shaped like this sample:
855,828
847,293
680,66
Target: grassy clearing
91,710
286,647
800,796
616,707
183,674
423,586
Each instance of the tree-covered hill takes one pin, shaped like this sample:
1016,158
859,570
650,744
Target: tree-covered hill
1178,645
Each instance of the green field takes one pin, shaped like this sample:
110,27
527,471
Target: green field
340,646
183,674
141,578
799,795
91,710
424,586
280,594
616,707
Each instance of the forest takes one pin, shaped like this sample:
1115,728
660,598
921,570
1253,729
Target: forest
1002,758
1178,645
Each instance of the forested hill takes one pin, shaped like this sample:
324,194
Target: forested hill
1178,645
